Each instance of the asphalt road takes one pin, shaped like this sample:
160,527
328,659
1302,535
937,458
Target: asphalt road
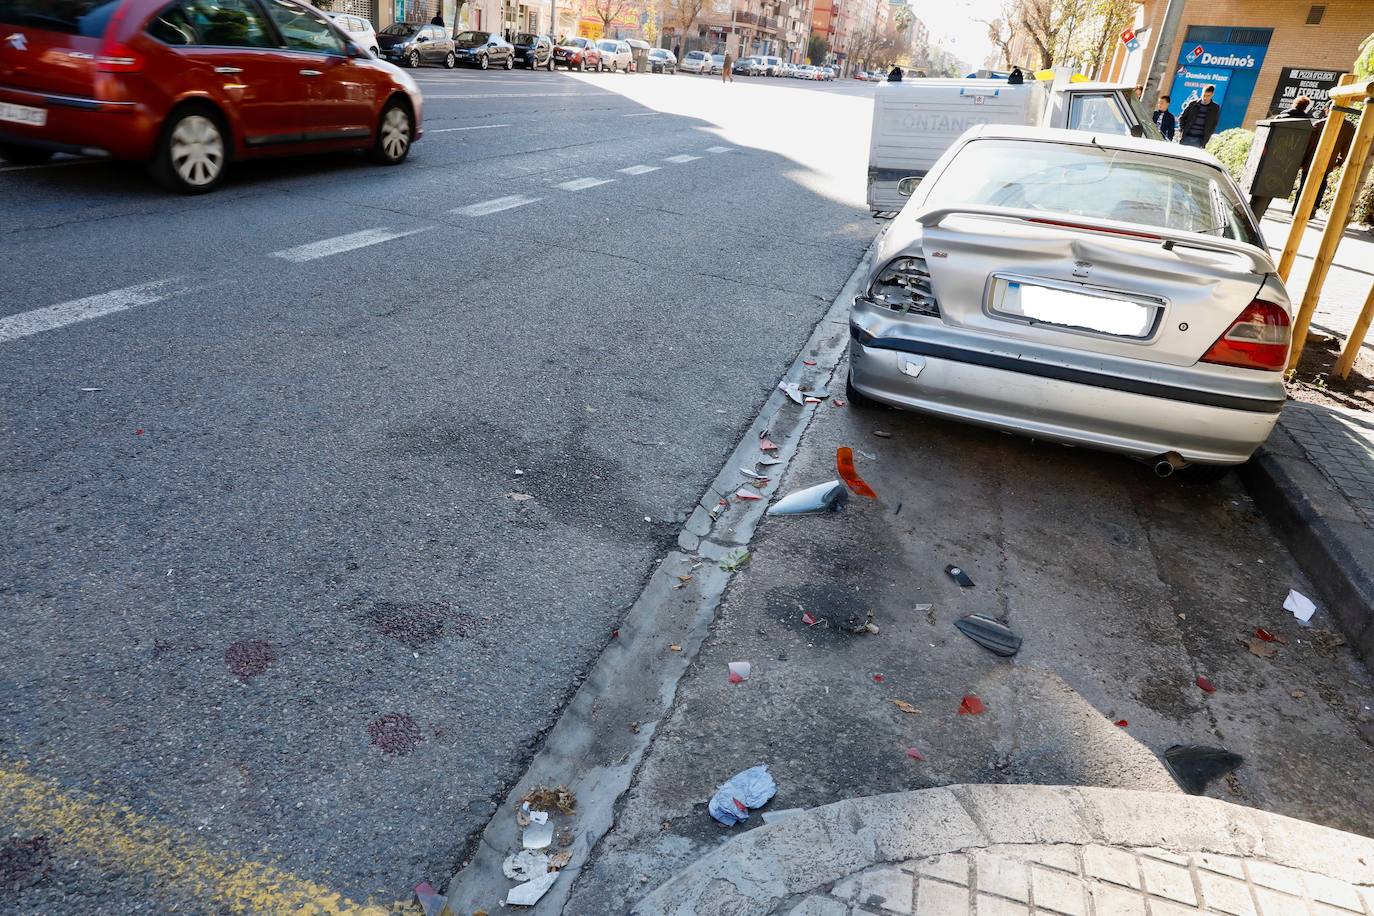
279,622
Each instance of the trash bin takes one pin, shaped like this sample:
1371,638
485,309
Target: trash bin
640,51
1276,154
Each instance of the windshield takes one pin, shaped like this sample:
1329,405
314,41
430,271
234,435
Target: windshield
526,38
400,28
472,37
1153,190
658,52
87,18
606,45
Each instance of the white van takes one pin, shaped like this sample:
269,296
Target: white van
772,65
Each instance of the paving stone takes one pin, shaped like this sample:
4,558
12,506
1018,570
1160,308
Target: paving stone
1337,893
1110,864
952,867
1063,857
1165,908
1114,901
1058,892
889,888
816,905
1274,903
935,898
1163,854
847,888
1002,875
1164,879
996,906
1226,894
1278,877
1225,865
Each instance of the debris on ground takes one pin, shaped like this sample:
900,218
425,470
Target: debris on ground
769,462
882,434
808,619
1327,643
519,497
791,390
992,635
928,610
752,476
675,648
812,400
749,789
522,817
906,707
958,575
837,402
546,799
1121,723
878,679
539,834
742,493
766,444
734,560
739,672
1262,633
1193,766
559,860
1300,605
1297,694
431,901
823,497
772,817
844,466
915,754
808,362
1259,648
528,894
971,706
1205,685
525,865
856,624
564,837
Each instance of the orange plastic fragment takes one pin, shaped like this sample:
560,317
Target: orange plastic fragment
844,464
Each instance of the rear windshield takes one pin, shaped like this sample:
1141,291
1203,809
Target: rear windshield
472,36
525,38
73,17
1153,190
396,28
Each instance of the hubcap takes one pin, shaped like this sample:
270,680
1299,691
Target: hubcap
197,150
395,133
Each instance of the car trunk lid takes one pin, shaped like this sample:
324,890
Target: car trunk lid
53,48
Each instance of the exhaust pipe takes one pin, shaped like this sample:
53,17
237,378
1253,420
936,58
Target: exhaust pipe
1169,462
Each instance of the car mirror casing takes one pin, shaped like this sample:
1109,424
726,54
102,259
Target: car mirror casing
907,186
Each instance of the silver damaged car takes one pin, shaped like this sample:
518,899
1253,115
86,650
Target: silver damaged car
1093,290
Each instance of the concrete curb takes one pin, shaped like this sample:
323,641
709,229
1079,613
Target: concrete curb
1330,542
758,870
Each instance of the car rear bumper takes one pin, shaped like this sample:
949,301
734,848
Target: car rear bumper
82,126
1072,410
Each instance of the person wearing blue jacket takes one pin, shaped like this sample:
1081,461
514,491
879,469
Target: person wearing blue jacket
1163,118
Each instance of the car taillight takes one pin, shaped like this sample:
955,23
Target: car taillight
904,286
1258,339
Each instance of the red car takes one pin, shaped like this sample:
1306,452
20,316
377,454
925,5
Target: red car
575,54
190,85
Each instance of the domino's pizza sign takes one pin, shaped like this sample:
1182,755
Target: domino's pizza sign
1129,39
1194,54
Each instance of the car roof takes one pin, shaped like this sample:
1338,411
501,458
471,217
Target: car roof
1085,138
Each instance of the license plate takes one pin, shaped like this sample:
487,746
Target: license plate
1082,311
23,114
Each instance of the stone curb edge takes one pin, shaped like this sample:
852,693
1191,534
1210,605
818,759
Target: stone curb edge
1295,497
761,868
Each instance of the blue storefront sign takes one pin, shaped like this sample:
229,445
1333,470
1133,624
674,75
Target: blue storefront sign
1231,68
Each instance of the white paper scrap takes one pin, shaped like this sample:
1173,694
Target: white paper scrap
528,894
538,836
1301,606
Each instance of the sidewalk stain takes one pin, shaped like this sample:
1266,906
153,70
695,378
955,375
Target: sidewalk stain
116,838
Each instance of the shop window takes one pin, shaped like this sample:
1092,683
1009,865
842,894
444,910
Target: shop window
1315,14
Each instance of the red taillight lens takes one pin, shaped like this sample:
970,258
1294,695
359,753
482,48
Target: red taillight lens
1258,339
117,58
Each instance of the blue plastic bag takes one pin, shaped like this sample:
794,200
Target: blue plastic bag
750,789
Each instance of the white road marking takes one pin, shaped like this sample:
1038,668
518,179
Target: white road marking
681,159
581,184
449,130
718,149
643,114
520,95
56,316
488,207
638,170
351,242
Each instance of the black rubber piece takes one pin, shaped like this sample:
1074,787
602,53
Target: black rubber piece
1194,766
958,575
992,635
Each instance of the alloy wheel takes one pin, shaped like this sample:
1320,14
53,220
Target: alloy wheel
414,59
197,150
510,62
395,133
450,61
484,63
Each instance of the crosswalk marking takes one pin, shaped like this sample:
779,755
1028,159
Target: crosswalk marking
638,170
678,160
65,313
581,184
488,207
718,149
351,242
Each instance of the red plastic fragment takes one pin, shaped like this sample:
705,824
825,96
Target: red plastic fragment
742,493
844,465
615,634
915,754
971,706
1121,723
138,432
1206,685
767,445
739,804
808,362
837,402
877,678
808,619
1264,634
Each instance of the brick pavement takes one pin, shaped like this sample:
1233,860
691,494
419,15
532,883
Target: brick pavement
1340,443
1348,282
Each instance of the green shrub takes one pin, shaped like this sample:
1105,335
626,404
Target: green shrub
1363,211
1232,147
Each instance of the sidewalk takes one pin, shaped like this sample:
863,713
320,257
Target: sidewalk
1021,850
1347,283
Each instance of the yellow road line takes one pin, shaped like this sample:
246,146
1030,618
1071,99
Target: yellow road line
114,837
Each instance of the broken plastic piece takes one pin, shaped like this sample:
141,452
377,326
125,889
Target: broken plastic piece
844,465
1301,606
1121,723
739,672
528,894
808,619
791,390
769,462
430,900
992,635
915,754
971,706
837,402
753,476
538,836
519,497
823,497
1206,685
525,865
1262,633
1193,766
742,493
811,400
958,575
766,444
539,817
878,678
749,789
808,362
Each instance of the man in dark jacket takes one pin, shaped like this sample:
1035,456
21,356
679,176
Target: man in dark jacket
1199,119
1299,109
1164,118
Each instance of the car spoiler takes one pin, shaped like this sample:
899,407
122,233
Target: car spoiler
1169,239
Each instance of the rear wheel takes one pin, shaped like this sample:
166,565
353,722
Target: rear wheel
550,63
24,155
510,62
192,152
582,66
395,131
450,61
483,62
413,60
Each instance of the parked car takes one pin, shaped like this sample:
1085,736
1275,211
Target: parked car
133,83
534,51
661,60
359,30
717,63
1090,289
771,65
484,50
696,62
615,55
827,73
578,54
411,44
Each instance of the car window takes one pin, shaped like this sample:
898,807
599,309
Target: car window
301,30
474,37
400,29
217,23
525,38
1163,191
1097,111
74,17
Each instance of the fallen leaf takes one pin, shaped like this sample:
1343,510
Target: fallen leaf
522,817
684,578
878,678
559,860
1206,685
1121,723
1261,649
971,706
882,434
675,648
915,754
544,798
906,707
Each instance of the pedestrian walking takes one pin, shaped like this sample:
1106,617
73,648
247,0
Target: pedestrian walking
725,75
1199,119
438,20
1164,118
1299,109
677,51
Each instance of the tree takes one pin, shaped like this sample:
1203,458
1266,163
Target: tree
1000,34
609,11
817,50
1364,60
682,14
1112,17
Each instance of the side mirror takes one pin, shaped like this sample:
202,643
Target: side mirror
1137,130
422,38
907,186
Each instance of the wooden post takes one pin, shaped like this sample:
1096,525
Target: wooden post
1356,338
1340,214
1303,208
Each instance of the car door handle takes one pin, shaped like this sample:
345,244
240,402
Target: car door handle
312,73
228,69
